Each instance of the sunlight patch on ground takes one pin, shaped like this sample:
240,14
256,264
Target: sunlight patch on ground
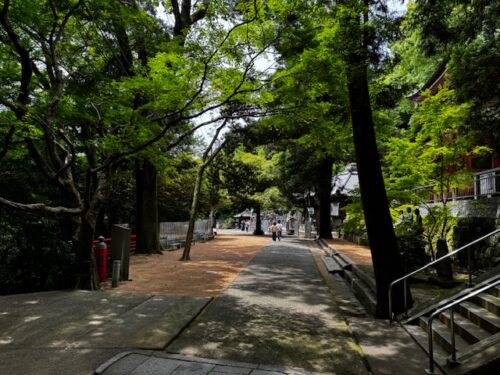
31,318
33,302
6,340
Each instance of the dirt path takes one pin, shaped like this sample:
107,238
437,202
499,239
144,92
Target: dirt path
213,266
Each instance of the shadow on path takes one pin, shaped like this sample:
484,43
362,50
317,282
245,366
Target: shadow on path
278,312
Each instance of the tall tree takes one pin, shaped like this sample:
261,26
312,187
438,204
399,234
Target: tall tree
432,152
354,23
76,120
310,101
213,148
146,171
464,34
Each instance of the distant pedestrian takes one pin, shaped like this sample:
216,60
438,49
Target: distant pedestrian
280,230
418,217
402,217
409,213
274,231
247,225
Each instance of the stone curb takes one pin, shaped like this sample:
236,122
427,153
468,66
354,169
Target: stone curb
255,369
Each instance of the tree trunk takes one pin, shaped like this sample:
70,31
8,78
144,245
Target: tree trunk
385,255
87,278
258,223
192,214
148,236
211,224
324,195
443,268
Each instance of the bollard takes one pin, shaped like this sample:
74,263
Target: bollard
116,273
101,254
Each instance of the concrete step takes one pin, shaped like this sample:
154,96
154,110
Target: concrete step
442,335
148,325
428,307
489,302
420,337
348,264
362,291
480,316
469,331
388,347
481,347
342,261
495,291
321,243
331,265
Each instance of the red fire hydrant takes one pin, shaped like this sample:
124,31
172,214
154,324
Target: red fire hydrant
101,252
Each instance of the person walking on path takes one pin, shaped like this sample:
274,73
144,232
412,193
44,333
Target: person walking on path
280,230
274,231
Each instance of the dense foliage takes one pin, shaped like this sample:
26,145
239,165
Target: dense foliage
101,101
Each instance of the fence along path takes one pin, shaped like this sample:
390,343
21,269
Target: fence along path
173,233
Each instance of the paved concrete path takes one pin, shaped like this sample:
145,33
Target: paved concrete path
277,312
388,348
139,362
278,317
74,332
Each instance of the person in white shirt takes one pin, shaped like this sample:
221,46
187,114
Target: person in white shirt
280,229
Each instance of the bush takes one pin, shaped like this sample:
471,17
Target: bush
466,231
411,246
33,257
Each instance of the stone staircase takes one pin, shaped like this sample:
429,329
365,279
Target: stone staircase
476,320
477,332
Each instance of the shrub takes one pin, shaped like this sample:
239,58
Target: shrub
33,257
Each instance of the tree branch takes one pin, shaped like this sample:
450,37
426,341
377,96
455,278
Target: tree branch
6,142
72,157
200,13
25,59
177,17
40,207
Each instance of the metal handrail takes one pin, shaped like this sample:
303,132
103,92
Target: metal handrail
405,278
487,176
450,305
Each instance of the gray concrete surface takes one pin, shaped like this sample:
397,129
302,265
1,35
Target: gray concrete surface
278,312
280,316
74,332
153,362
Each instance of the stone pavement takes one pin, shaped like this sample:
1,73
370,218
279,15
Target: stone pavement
388,348
277,312
74,332
140,362
278,317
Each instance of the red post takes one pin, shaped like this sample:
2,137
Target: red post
101,254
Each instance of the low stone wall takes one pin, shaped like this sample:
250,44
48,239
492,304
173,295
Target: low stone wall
356,238
480,216
485,207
